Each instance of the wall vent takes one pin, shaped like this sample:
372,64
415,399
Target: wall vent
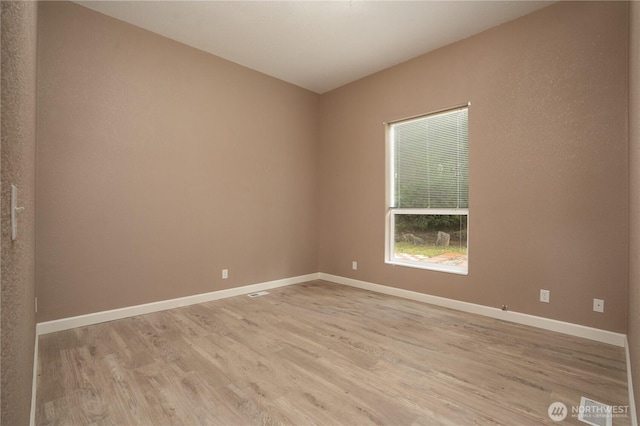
595,413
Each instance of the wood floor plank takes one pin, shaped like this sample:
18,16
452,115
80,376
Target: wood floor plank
319,353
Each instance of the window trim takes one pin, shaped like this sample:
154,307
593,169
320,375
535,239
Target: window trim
389,252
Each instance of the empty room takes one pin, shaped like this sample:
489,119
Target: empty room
331,212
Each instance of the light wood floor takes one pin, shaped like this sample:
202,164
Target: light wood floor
319,353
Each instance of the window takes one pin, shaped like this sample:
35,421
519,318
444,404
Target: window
428,191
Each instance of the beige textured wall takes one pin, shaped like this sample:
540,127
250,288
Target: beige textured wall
633,320
548,164
19,24
159,165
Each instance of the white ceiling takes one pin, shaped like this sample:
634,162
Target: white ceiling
318,45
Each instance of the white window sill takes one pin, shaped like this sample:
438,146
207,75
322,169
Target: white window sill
429,266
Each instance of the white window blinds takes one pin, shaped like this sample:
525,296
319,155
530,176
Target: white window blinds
431,161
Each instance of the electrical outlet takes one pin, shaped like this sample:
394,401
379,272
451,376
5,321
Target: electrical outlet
545,296
598,305
225,274
354,265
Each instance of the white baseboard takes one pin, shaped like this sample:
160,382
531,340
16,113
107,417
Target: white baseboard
34,384
632,401
147,308
577,330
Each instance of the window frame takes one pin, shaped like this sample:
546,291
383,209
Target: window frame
391,211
